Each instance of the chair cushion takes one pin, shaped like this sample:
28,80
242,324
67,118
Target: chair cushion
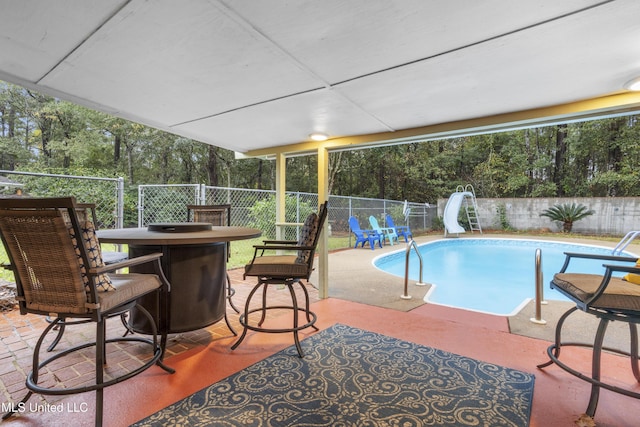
277,266
307,237
92,246
619,294
128,287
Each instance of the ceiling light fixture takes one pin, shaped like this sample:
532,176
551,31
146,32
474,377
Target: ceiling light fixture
633,84
319,136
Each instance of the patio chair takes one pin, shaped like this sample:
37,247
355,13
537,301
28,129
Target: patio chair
401,230
387,232
284,270
218,215
364,236
87,212
609,298
59,272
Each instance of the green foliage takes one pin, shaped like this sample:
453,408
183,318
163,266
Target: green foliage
396,214
544,189
567,214
503,221
130,207
263,215
83,190
438,223
463,220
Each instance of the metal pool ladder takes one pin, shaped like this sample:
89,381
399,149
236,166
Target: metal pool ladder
407,252
624,242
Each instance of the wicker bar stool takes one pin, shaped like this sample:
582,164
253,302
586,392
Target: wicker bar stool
59,273
285,270
609,298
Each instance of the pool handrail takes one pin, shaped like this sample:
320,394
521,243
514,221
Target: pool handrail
411,244
624,242
539,290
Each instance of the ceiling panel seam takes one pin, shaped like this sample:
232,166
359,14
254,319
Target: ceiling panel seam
238,18
249,26
84,40
247,106
479,42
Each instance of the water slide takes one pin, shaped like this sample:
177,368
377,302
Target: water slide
451,211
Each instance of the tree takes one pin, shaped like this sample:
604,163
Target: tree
567,214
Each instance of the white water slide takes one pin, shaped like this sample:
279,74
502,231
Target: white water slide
451,211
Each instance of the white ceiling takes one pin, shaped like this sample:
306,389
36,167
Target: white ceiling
247,74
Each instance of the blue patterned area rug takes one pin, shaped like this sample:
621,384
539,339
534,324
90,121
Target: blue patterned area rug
351,377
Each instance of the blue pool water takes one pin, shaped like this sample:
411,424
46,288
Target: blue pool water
490,275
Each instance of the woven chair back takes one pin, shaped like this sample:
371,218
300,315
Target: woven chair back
42,255
218,215
310,234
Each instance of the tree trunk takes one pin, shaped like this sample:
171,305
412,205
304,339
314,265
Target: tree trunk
561,152
164,161
381,181
212,166
130,164
117,145
259,177
335,167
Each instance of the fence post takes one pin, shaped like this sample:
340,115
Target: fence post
298,215
140,206
120,203
424,215
202,195
384,210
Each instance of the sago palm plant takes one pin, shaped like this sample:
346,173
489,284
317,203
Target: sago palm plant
567,214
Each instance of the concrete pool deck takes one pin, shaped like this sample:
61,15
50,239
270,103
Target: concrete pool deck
353,277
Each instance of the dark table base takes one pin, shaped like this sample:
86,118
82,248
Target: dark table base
197,274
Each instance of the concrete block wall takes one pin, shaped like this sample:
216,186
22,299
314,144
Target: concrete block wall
613,215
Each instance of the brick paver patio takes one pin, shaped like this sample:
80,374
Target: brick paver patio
18,336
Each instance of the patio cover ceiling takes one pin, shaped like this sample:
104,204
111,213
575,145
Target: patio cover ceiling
258,77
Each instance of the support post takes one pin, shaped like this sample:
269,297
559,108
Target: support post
281,188
323,243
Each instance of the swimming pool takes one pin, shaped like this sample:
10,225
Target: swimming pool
494,276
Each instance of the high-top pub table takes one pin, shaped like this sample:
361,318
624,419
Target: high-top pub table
194,260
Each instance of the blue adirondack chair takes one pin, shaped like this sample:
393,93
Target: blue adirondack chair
387,232
364,236
401,230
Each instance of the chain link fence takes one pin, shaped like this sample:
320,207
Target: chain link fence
249,208
106,193
257,209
